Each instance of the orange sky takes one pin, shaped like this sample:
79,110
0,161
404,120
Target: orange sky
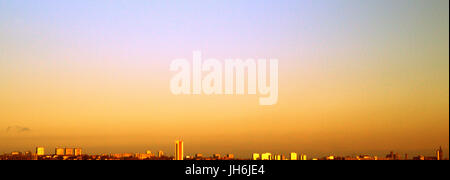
353,84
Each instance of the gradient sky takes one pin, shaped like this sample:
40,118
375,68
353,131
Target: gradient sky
355,76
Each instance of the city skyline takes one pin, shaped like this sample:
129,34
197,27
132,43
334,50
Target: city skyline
354,77
179,154
77,154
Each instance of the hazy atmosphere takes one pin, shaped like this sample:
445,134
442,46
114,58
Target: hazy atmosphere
354,76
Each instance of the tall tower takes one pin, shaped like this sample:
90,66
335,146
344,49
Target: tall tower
179,150
440,154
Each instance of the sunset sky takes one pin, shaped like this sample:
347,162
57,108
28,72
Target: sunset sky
354,76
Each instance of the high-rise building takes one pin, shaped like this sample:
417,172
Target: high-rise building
40,151
78,152
440,154
294,156
59,151
256,156
160,154
179,150
69,152
266,156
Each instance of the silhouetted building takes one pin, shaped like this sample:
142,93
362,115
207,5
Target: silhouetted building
392,156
